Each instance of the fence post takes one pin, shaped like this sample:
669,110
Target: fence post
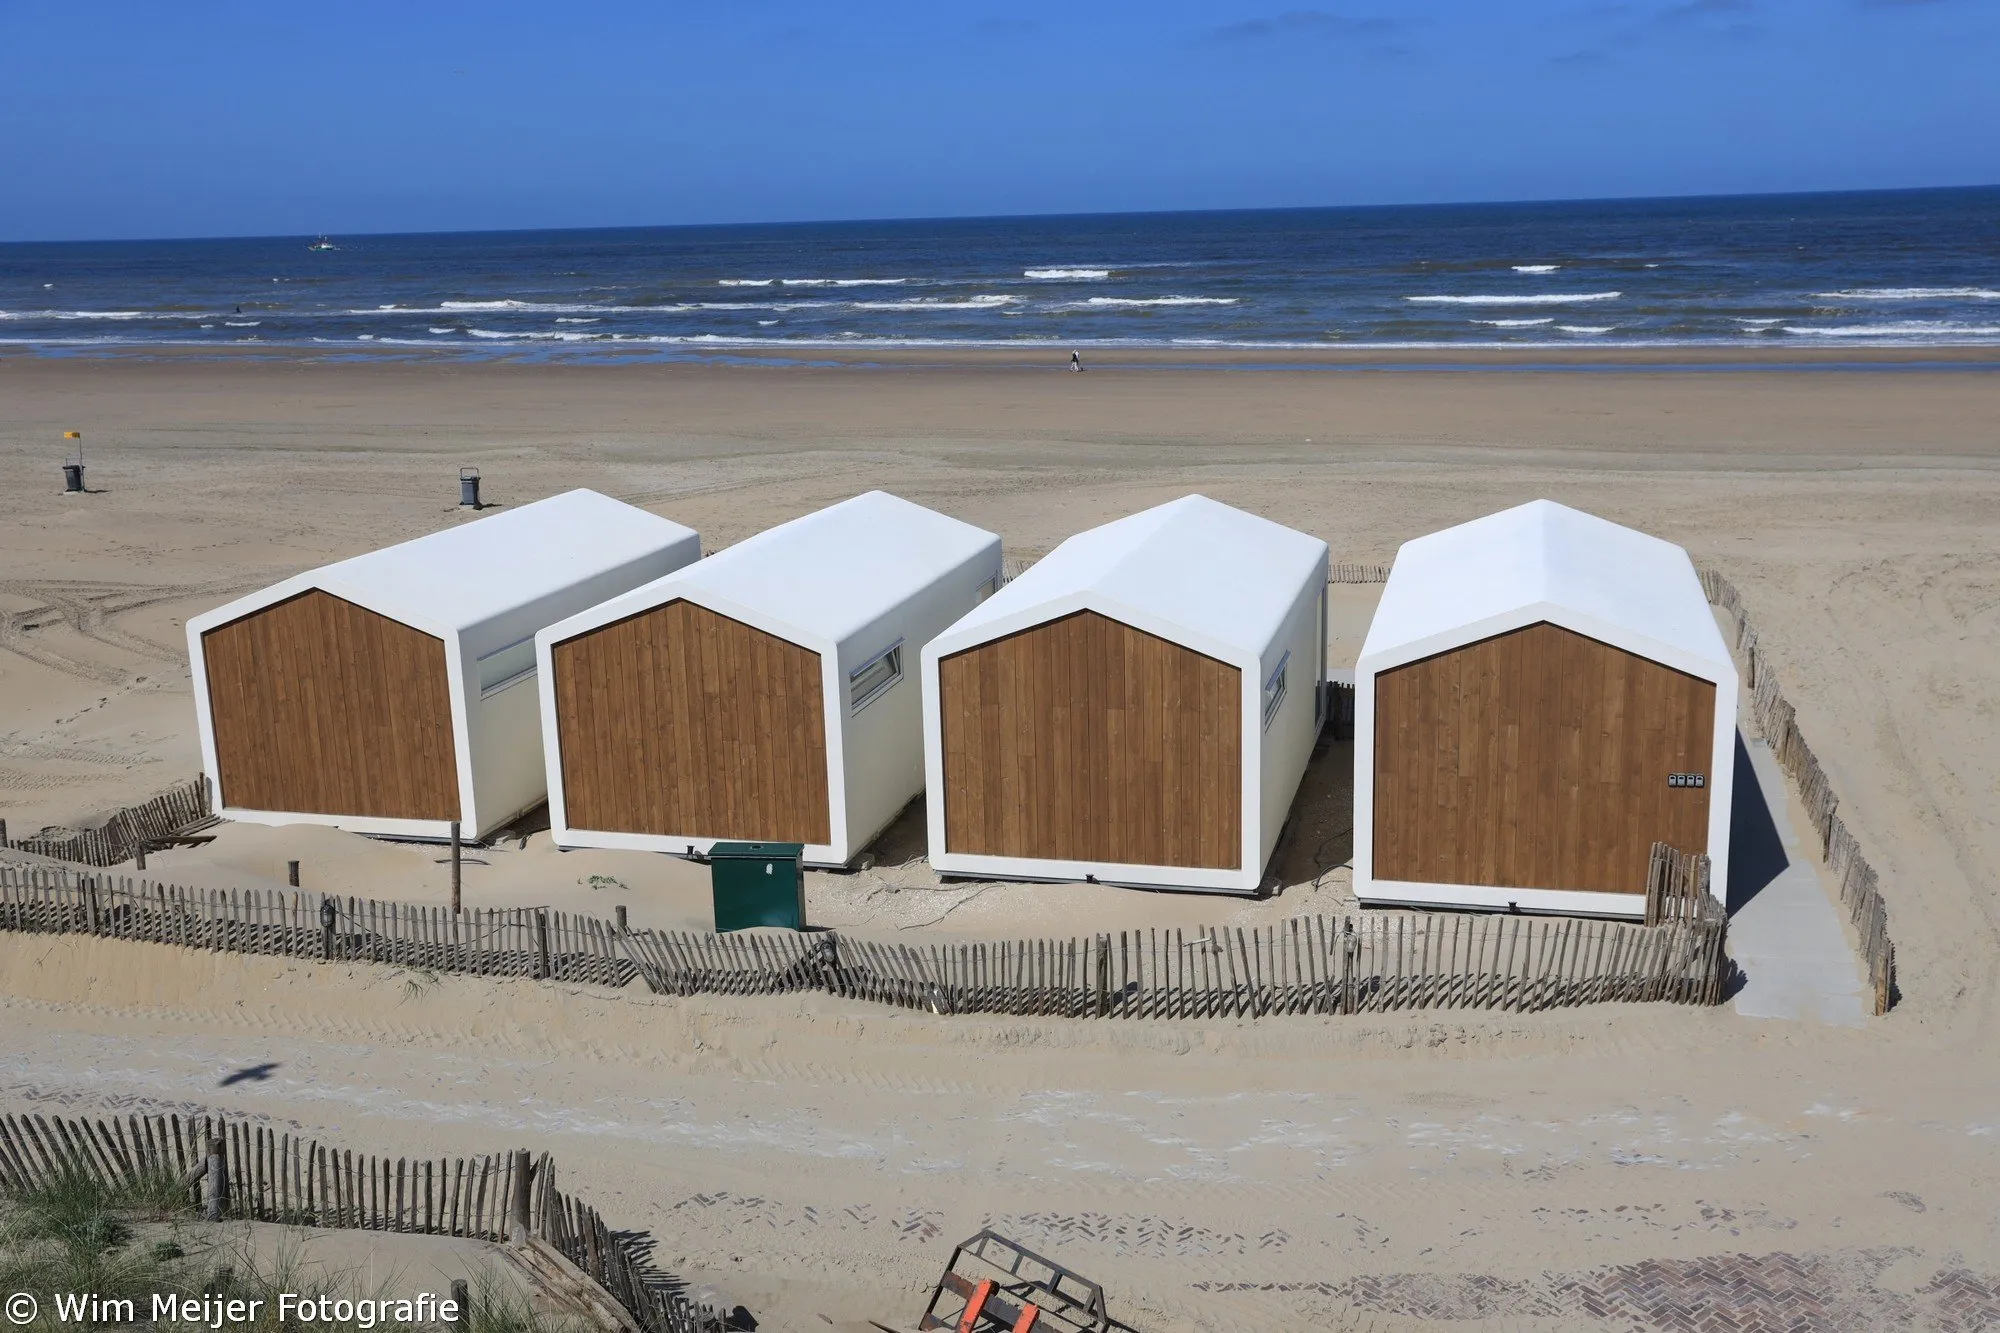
1349,954
517,1202
292,873
1103,975
326,917
90,903
139,854
619,911
3,833
215,1201
461,1301
542,943
829,975
457,868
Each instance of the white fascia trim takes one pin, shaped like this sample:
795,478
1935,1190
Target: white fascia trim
820,856
957,641
545,693
1250,771
833,714
426,830
1247,662
1104,872
1480,897
1721,673
199,625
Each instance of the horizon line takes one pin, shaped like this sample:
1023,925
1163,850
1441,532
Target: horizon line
1016,217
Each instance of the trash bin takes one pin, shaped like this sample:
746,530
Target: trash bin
758,884
468,488
73,478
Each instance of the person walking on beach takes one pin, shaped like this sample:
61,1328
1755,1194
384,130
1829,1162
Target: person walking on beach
1075,361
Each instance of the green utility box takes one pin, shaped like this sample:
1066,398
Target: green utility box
758,884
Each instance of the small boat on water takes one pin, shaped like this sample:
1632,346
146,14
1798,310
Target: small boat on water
322,244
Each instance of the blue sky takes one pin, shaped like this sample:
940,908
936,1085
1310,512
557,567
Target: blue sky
253,117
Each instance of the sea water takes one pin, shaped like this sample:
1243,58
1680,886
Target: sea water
1901,268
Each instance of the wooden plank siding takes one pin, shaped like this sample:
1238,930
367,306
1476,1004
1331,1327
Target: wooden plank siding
323,707
1085,739
682,721
1537,759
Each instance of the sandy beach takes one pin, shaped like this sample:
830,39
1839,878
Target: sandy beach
1393,1173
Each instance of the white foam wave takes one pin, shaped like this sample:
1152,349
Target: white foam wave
1930,330
1588,330
1066,274
1913,294
538,307
534,335
1516,323
104,314
575,319
444,330
242,323
1529,298
744,282
841,282
1536,268
1131,302
988,302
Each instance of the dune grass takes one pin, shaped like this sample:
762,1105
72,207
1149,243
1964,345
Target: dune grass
126,1242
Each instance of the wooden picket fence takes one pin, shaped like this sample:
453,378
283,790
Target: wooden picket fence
1348,572
268,1175
1361,963
1860,888
1365,963
533,942
174,811
1677,886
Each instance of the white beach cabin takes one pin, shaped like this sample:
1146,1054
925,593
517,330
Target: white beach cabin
1542,695
760,694
1137,708
391,693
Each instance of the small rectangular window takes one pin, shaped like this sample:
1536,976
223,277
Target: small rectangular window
1275,688
506,666
986,590
869,681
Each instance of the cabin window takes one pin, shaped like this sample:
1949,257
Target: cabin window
986,590
506,667
1274,688
875,677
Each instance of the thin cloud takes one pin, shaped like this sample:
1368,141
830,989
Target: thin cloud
1306,23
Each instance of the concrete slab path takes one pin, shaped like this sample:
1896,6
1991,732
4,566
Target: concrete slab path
1784,929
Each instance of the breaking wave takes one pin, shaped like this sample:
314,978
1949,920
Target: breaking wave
1912,294
1517,298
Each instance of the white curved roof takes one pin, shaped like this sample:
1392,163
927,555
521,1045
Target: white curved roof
492,571
1546,561
828,574
1217,573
